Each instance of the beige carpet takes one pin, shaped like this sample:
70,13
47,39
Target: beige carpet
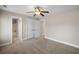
38,46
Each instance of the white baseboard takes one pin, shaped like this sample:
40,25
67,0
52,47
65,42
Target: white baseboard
73,45
4,44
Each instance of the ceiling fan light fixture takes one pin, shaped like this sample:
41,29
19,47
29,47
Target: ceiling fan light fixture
37,13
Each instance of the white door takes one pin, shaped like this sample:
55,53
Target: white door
33,27
20,28
36,28
29,29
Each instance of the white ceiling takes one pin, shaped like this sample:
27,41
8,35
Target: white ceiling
22,9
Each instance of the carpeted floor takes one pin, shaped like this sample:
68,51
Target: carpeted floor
38,46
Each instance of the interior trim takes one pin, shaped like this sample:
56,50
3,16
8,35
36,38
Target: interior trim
4,44
73,45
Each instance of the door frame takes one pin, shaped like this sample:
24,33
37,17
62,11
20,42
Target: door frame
19,19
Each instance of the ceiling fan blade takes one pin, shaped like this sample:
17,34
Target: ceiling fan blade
41,14
4,5
34,14
45,11
30,12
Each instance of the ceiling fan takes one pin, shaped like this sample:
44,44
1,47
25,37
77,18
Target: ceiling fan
38,11
5,6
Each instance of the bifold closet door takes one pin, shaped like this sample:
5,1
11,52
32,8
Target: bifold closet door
24,29
33,28
29,29
36,28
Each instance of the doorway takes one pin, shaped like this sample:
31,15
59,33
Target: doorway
14,29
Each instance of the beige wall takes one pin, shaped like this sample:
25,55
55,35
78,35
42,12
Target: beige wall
6,26
63,26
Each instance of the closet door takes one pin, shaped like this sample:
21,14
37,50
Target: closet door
36,28
24,28
29,29
33,27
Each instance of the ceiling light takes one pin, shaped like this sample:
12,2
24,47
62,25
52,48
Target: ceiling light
38,13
